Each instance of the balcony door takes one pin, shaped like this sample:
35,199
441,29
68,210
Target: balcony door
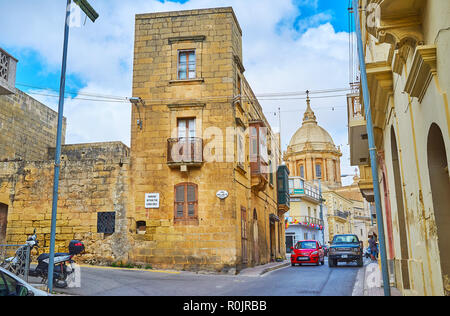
186,128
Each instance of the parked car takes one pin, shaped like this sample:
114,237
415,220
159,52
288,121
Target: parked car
345,248
12,285
307,251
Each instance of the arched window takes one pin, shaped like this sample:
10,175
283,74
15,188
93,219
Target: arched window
186,201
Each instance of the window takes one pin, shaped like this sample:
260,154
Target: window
186,128
187,64
241,147
271,173
186,201
106,222
253,144
302,171
319,171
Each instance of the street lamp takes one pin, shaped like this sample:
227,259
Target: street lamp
137,101
90,12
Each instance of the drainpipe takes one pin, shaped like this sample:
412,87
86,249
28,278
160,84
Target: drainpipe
372,151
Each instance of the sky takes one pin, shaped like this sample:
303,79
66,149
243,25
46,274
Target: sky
288,46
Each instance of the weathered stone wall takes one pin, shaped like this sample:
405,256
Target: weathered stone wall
27,127
96,183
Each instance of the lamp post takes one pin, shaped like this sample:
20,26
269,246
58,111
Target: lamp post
90,12
372,149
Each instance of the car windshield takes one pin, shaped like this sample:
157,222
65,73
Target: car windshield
345,239
306,245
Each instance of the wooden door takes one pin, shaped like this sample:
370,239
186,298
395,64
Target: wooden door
3,222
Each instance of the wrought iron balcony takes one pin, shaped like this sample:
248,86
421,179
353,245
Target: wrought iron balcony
341,214
8,66
184,151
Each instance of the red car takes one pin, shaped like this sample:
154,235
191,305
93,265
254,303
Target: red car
307,251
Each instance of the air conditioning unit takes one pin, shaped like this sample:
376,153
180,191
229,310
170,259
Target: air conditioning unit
8,66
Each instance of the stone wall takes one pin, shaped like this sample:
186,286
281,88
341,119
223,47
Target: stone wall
27,127
96,183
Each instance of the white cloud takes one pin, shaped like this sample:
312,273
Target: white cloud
277,58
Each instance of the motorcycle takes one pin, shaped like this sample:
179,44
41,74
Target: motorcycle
18,263
63,263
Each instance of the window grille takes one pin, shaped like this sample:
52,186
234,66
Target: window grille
106,222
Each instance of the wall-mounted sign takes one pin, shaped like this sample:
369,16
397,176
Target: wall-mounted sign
151,200
222,194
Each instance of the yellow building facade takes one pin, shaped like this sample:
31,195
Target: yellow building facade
406,55
204,147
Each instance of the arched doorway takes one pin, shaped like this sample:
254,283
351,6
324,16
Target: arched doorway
3,222
404,247
440,191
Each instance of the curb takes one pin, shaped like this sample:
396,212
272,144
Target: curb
275,268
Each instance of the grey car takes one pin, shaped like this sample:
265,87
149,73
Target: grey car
12,285
345,248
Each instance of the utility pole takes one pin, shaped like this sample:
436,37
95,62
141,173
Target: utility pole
372,150
84,5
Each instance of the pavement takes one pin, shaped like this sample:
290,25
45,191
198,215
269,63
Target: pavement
369,282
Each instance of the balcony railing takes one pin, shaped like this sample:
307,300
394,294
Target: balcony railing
342,214
7,73
186,150
298,187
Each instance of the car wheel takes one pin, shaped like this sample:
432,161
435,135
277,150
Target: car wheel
293,264
360,262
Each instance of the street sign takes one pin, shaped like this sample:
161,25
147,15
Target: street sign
151,200
222,194
87,9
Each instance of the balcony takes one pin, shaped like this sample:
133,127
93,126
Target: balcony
299,189
283,189
8,66
184,152
357,128
307,221
341,214
365,182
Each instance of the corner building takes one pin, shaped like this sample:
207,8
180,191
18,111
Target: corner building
201,142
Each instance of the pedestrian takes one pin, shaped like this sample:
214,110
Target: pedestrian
373,247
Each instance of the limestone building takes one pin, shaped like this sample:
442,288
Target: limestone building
201,187
406,56
205,147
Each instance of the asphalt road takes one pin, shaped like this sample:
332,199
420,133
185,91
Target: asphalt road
306,280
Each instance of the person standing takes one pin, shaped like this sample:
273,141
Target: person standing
373,247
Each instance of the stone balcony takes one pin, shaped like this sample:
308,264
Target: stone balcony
357,129
365,183
184,152
8,66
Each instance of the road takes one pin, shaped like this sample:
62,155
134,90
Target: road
289,281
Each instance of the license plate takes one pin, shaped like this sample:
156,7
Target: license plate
344,256
303,258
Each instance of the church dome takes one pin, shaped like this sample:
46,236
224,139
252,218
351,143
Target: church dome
310,136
